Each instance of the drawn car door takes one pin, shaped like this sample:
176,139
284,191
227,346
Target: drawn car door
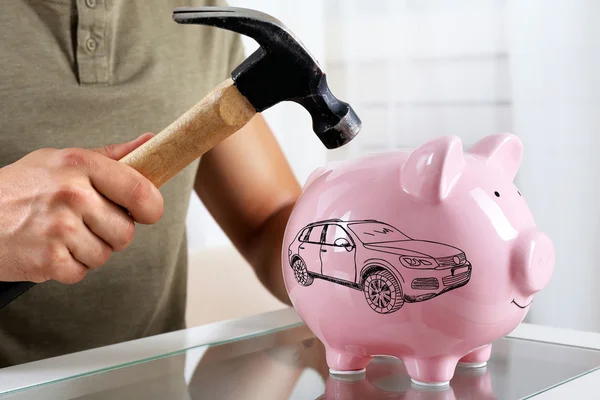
310,249
337,254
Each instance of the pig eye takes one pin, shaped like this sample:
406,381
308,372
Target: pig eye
497,194
519,192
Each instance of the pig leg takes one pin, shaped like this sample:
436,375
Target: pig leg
477,358
432,371
344,362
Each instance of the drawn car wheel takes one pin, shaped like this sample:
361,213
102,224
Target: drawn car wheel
383,292
301,273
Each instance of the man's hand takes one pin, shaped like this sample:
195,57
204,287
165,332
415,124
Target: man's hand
63,212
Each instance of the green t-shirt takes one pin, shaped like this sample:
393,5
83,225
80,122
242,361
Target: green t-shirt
85,73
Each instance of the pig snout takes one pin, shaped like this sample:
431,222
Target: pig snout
533,261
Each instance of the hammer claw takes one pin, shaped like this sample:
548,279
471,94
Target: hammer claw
282,69
225,17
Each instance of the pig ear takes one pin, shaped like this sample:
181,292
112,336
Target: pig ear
504,150
433,168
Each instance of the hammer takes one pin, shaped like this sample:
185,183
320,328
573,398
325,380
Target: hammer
282,69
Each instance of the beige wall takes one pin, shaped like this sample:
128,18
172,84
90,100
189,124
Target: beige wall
222,285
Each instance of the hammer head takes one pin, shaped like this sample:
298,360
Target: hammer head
281,69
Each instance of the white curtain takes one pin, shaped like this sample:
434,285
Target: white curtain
415,70
555,60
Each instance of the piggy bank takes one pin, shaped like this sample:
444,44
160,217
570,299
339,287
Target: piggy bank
427,255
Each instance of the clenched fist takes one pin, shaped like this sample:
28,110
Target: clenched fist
63,212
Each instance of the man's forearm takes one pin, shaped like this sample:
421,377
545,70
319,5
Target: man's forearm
264,252
249,188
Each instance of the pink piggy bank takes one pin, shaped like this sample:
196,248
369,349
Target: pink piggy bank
428,255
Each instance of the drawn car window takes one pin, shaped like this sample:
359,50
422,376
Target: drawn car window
303,236
315,234
335,232
377,232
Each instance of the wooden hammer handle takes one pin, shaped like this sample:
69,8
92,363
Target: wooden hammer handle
220,114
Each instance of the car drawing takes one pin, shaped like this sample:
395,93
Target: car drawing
376,258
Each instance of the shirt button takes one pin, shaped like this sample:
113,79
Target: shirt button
91,45
90,3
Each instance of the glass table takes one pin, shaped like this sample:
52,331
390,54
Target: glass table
275,356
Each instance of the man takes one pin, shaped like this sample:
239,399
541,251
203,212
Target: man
76,76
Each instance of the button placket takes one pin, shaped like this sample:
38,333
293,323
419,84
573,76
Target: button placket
92,59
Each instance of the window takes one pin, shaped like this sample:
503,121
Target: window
315,234
303,236
335,232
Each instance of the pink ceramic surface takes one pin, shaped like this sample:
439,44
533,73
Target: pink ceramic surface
427,255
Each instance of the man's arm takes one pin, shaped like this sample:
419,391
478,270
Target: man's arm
247,185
